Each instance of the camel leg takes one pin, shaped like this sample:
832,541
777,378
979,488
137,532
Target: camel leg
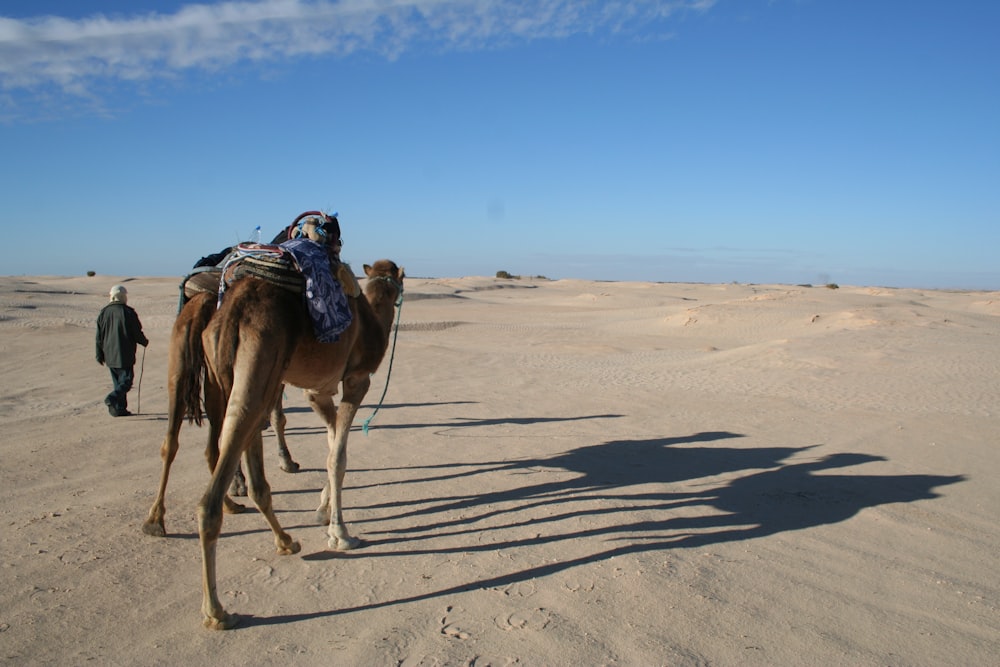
180,379
327,410
236,436
260,493
278,423
338,428
209,528
168,451
154,524
215,407
323,511
338,425
183,381
239,485
288,464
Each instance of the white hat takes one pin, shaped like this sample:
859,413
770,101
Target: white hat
119,294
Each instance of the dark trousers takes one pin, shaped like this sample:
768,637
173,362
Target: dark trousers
122,379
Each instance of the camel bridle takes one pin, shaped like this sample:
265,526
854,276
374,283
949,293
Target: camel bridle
395,283
392,354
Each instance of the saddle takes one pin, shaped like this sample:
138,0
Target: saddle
272,263
267,262
296,266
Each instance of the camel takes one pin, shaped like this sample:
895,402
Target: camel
186,364
184,394
260,338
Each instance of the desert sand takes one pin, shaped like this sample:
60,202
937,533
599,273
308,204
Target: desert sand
563,473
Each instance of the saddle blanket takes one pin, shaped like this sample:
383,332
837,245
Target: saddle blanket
325,297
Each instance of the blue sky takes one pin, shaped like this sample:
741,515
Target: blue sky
791,141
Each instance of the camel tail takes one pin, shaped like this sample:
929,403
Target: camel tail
189,368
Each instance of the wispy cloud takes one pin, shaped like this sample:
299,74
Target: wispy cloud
73,56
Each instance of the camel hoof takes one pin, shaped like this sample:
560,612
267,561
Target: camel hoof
230,506
345,543
154,529
293,547
227,622
289,466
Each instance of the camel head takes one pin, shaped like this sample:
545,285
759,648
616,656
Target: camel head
385,271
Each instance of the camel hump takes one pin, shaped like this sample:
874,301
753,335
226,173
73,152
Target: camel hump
345,276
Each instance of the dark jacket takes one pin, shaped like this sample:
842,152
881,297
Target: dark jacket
118,332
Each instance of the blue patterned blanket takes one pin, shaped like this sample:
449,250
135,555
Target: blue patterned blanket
325,297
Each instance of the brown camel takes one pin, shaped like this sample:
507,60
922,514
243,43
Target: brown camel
260,338
184,400
186,366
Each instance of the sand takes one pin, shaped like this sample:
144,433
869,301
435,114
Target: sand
563,473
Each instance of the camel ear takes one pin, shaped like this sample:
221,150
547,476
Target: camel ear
402,273
368,270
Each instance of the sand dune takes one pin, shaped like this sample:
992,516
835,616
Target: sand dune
564,472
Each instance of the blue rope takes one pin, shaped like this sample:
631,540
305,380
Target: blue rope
392,355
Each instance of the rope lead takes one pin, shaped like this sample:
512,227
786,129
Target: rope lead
392,355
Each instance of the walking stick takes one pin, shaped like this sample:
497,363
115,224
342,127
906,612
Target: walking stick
138,398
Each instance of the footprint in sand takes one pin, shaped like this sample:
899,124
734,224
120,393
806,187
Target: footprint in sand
530,619
452,629
522,589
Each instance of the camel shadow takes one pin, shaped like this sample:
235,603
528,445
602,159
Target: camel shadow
664,478
457,422
426,404
471,422
772,497
386,406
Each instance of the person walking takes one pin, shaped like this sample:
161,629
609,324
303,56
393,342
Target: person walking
118,332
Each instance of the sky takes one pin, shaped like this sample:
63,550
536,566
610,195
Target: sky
751,141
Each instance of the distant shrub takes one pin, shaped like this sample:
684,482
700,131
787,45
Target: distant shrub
91,274
505,275
832,286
